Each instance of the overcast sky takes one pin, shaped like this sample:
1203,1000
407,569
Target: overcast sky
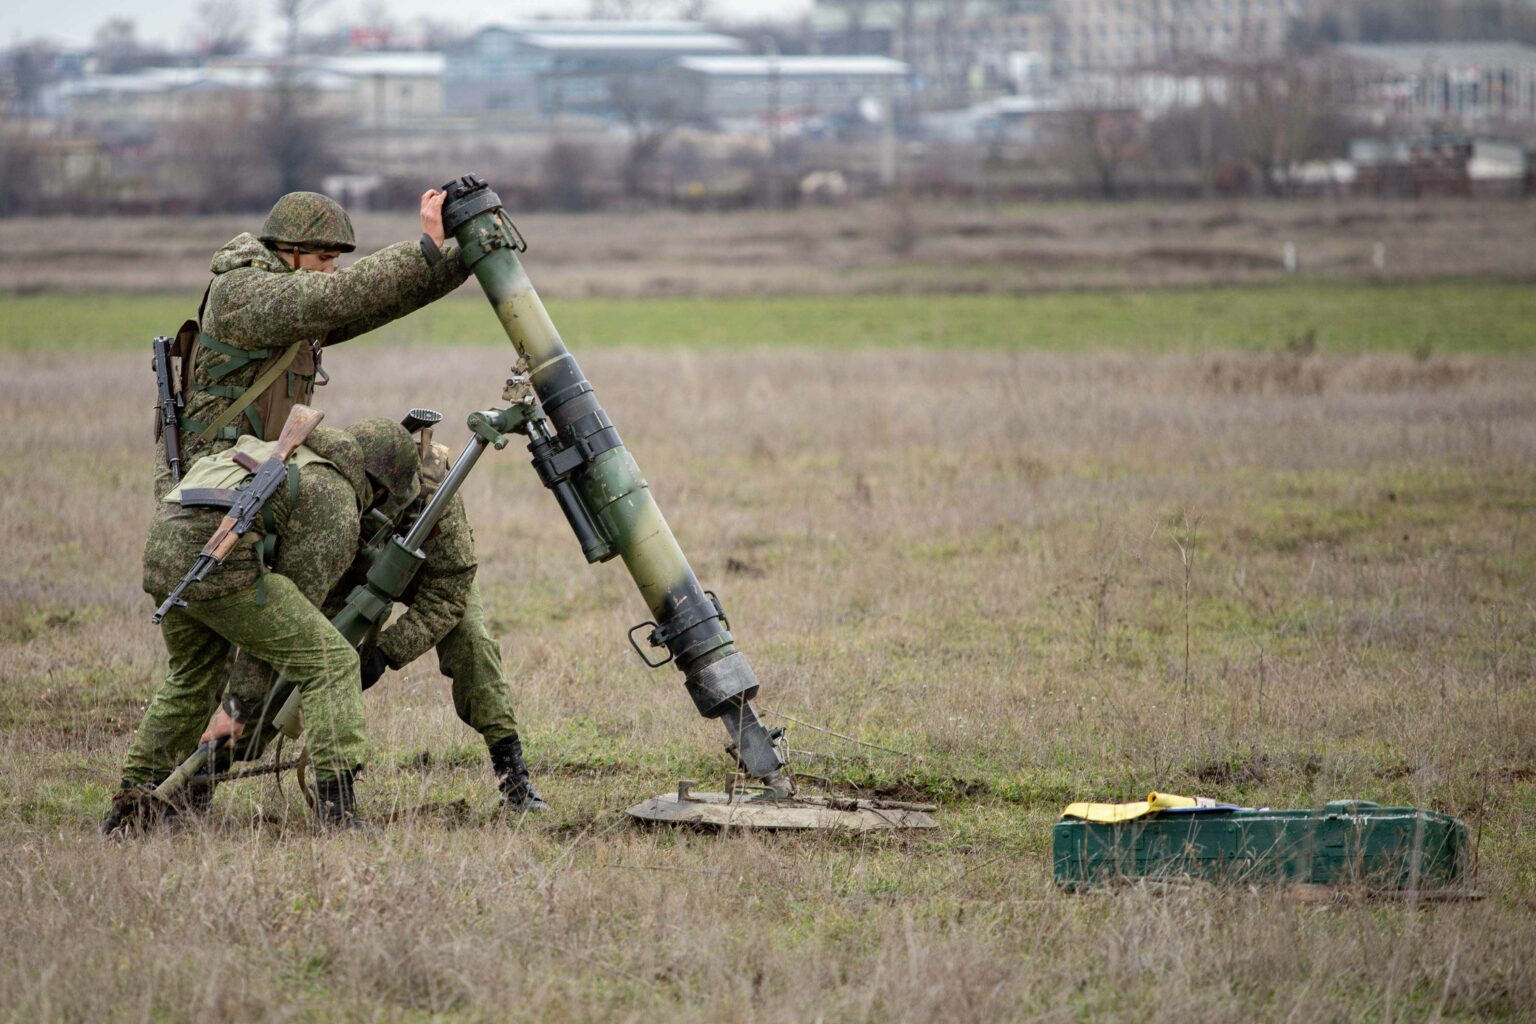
168,21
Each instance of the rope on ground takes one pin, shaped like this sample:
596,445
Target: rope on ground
841,736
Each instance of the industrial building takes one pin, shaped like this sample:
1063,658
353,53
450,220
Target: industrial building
771,89
962,52
1459,84
370,90
548,68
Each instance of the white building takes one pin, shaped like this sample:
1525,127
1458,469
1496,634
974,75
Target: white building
361,91
1451,84
553,67
764,89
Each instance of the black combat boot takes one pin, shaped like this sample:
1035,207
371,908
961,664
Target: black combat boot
336,803
133,809
517,792
122,811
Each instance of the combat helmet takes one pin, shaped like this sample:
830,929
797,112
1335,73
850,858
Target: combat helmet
390,460
309,222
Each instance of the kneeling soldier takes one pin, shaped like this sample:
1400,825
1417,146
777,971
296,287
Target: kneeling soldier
264,599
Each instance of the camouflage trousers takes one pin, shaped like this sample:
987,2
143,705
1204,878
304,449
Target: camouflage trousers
471,658
468,655
284,630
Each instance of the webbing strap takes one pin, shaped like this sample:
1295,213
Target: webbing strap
223,433
238,358
243,403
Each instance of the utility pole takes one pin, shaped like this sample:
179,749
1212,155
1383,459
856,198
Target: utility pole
775,189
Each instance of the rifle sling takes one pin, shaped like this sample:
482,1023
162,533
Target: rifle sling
252,393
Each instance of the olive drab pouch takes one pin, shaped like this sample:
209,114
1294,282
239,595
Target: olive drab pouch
293,372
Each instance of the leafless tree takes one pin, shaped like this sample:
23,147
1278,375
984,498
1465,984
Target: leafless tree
651,118
642,10
440,33
219,160
18,167
118,49
221,28
295,142
293,13
1098,145
564,174
1286,112
29,68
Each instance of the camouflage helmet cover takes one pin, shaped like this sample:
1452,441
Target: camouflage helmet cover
309,221
390,459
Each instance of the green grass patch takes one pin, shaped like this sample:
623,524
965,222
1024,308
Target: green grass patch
1444,316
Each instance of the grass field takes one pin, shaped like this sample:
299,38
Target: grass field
971,557
1337,318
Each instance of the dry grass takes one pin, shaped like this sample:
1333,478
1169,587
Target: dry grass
966,556
868,248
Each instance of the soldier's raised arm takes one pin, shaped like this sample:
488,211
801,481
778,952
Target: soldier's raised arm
292,291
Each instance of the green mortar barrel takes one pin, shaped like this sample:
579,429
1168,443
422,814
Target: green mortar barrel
600,489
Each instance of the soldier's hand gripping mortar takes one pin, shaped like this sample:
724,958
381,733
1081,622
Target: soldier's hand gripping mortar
579,456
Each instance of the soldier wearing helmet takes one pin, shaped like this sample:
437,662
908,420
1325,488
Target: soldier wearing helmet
442,610
277,300
264,600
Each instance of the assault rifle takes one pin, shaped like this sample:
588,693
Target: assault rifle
169,405
247,504
392,565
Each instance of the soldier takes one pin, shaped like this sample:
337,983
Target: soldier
313,525
443,610
277,300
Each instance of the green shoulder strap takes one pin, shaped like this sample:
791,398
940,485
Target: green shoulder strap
251,393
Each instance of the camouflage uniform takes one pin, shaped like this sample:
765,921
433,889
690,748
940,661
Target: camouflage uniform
257,306
443,610
272,614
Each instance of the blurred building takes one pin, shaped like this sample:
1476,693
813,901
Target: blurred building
1451,84
1439,164
387,88
547,68
777,89
1138,33
118,106
363,91
960,52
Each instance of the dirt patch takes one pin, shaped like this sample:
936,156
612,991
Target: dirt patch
1209,259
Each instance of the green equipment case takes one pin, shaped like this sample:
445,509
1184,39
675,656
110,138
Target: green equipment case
1347,842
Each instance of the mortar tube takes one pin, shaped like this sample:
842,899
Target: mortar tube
689,622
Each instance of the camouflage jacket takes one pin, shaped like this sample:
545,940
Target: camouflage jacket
437,597
258,302
435,600
317,533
